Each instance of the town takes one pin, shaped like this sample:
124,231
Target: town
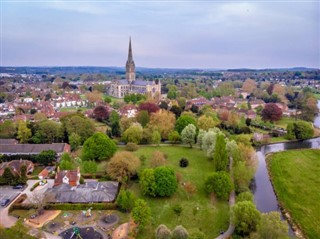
159,120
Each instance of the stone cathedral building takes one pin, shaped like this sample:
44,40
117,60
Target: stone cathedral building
119,88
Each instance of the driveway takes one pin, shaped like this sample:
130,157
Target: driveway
7,192
12,194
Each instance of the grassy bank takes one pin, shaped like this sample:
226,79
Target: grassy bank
295,176
211,216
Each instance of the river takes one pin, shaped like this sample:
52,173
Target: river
264,196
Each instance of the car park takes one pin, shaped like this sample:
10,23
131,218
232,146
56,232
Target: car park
19,186
5,202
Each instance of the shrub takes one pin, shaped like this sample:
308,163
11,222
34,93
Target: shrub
125,200
166,181
158,159
143,159
180,233
245,196
184,163
162,232
34,186
219,183
132,147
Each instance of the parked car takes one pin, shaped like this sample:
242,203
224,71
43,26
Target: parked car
19,186
5,202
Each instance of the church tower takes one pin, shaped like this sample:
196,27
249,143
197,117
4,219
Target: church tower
130,67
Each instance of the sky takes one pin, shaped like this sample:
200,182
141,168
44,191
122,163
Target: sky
165,34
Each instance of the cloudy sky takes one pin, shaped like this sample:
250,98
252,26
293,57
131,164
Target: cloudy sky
173,34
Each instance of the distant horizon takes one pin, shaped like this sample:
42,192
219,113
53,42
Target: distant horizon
170,68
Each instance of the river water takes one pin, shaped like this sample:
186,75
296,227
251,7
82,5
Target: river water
264,196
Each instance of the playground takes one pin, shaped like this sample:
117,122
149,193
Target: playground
96,224
81,233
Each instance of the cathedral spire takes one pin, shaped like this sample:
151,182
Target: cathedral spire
130,58
130,67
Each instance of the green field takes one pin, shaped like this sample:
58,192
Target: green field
295,176
212,215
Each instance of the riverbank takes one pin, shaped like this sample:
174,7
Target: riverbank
294,175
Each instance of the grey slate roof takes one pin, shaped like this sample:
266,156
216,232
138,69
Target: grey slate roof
30,148
141,82
8,141
123,82
86,193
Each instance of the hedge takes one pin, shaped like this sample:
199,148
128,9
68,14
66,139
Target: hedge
34,186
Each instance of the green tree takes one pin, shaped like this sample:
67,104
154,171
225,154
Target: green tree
177,209
271,226
98,147
220,184
183,121
122,166
143,117
207,122
9,178
78,124
290,132
188,134
156,138
166,181
220,156
74,141
24,133
141,213
66,162
245,217
174,137
46,157
125,200
148,182
89,166
180,232
303,130
51,131
245,196
133,134
163,232
7,129
242,175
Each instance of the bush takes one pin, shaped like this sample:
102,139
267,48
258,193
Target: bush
125,200
34,186
184,163
245,196
220,184
166,181
132,147
143,159
180,233
162,232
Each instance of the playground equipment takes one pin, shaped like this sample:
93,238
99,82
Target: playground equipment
76,232
87,213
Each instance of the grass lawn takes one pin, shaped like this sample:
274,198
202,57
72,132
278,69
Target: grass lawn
285,121
295,176
212,216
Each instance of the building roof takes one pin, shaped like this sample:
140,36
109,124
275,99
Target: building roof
72,175
140,82
85,193
15,166
30,148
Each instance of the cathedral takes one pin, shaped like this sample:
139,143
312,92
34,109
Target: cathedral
119,88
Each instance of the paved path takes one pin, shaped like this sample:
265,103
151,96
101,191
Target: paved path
232,200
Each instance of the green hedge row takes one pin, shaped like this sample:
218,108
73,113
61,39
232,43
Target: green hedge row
34,186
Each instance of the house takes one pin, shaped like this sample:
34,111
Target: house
90,192
256,103
45,173
15,166
129,111
70,177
